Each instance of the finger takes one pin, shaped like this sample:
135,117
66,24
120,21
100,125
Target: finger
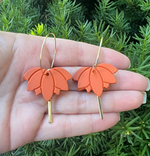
69,53
74,125
73,102
126,80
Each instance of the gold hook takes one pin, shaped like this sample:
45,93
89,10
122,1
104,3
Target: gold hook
101,41
42,50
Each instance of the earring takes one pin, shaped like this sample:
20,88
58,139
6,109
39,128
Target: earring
96,78
47,82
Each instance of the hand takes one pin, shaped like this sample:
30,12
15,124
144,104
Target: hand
23,115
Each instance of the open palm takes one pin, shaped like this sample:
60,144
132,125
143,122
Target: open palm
23,115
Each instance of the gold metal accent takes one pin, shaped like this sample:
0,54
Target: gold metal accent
42,50
101,41
94,66
49,102
50,111
100,107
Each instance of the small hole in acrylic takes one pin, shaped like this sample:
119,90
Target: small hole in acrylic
47,74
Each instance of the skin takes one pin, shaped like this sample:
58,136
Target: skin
23,115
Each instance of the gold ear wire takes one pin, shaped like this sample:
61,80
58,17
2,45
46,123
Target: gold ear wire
94,66
42,50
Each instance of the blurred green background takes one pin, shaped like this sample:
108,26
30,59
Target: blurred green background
125,26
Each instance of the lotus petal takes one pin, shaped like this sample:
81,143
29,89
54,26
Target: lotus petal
96,82
84,79
64,72
30,72
47,86
34,81
78,73
106,75
38,91
59,80
109,67
88,88
56,90
106,85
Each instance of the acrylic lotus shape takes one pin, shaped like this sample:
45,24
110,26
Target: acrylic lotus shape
95,78
49,82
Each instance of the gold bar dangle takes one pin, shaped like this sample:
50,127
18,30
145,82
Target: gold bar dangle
50,111
100,108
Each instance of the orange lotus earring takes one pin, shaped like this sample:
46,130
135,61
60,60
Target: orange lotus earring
47,82
96,78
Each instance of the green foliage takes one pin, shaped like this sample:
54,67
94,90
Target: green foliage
125,26
61,17
39,30
17,15
132,136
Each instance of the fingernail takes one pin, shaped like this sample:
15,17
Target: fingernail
144,97
148,84
129,65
